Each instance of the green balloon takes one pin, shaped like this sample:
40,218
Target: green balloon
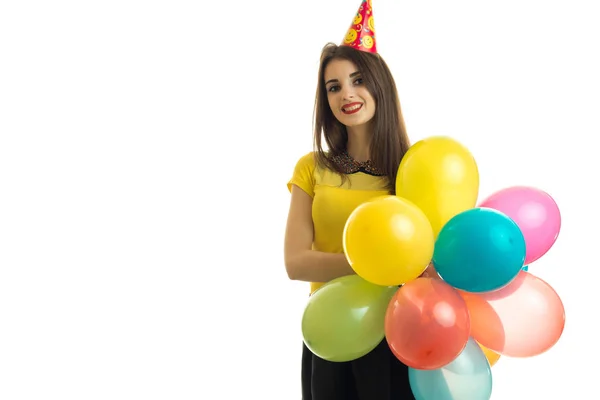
345,318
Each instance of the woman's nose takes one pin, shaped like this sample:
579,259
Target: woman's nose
348,93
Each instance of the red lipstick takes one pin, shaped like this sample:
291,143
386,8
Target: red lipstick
351,108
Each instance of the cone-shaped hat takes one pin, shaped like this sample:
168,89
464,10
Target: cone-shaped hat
361,34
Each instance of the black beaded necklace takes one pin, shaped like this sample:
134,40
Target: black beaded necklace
350,166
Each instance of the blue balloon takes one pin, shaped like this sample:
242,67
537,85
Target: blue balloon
525,268
479,250
469,376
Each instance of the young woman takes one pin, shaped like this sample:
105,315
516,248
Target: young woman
358,115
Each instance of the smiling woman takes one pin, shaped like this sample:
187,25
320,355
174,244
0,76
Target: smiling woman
359,141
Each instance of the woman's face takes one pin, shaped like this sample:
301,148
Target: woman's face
349,99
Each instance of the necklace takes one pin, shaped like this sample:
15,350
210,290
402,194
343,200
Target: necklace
350,166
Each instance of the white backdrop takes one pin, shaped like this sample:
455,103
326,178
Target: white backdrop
144,152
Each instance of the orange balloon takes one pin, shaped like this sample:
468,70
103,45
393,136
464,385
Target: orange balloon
427,324
523,319
491,355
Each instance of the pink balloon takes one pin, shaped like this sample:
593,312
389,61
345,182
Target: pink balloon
534,211
523,319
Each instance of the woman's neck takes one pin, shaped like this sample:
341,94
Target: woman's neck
359,143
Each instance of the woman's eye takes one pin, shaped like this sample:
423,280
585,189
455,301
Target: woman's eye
358,81
333,89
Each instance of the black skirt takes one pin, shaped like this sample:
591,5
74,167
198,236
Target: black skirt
378,375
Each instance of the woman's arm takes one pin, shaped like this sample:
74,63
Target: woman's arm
301,262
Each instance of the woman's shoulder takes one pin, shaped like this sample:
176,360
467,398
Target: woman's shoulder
309,157
314,161
304,173
308,161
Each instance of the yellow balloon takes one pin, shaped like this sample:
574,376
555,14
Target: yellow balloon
441,177
491,355
388,241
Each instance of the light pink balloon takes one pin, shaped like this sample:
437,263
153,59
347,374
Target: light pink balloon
523,319
534,211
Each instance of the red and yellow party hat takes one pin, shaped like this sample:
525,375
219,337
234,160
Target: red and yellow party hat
361,34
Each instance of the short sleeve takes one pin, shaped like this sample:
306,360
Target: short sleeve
303,175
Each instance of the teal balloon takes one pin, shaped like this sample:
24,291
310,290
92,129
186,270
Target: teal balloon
525,268
479,250
468,376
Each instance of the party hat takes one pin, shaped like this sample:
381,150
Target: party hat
361,34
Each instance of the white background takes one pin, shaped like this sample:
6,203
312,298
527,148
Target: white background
144,152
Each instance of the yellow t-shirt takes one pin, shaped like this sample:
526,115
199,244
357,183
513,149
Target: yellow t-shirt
332,203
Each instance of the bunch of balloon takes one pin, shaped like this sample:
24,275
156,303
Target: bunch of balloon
452,326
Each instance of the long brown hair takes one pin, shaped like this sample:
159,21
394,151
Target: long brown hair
390,140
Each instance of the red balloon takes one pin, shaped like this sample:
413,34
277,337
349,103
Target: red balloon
523,319
427,324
